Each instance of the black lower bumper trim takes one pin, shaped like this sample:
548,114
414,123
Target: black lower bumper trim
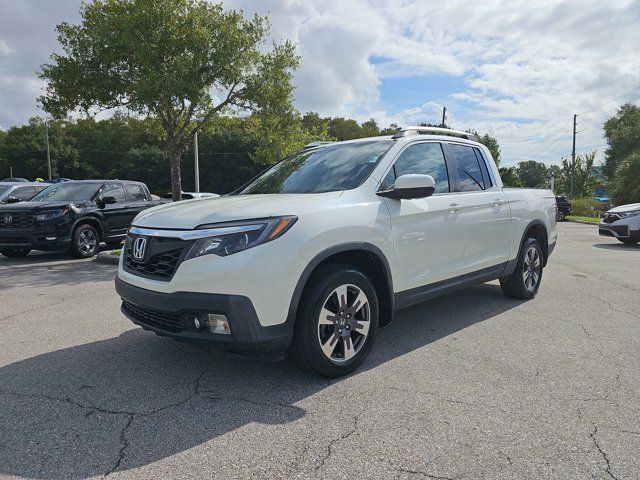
23,238
248,336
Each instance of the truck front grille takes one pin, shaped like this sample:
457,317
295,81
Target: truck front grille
161,259
16,220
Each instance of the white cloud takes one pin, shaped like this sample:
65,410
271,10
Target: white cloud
525,67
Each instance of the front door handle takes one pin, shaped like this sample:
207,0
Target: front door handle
454,207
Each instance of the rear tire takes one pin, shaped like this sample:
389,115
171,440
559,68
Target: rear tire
524,282
15,252
628,241
85,241
333,335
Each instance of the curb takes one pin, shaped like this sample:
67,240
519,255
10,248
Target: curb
106,257
583,222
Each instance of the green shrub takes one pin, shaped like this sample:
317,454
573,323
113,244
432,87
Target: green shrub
588,207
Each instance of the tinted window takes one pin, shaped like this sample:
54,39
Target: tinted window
136,192
467,168
342,166
69,191
3,188
483,167
23,193
422,158
114,190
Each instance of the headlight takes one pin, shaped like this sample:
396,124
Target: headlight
51,214
629,214
232,238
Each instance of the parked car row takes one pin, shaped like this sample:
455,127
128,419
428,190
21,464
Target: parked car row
73,215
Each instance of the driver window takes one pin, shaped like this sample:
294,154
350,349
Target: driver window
422,158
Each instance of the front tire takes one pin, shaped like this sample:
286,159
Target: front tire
523,284
15,252
336,322
85,241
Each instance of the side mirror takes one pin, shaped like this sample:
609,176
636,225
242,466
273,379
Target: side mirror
102,202
11,200
410,186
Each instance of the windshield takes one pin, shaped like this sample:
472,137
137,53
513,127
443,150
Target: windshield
341,166
67,192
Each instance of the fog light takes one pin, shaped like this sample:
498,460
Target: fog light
217,323
197,324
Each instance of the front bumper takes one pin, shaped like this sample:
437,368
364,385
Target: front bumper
42,238
618,230
166,314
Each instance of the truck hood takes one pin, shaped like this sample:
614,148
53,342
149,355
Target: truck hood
625,208
190,214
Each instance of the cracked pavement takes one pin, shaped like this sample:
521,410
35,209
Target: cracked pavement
468,386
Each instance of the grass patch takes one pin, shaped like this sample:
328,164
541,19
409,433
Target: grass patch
115,253
582,219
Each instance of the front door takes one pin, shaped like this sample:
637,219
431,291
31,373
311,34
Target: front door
116,215
428,233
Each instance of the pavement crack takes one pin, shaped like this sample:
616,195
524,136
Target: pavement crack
602,452
124,443
411,471
330,447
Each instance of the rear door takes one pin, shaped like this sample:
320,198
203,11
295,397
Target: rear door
137,199
116,215
485,210
428,233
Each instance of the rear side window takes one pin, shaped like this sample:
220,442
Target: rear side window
467,168
421,158
136,192
483,167
114,190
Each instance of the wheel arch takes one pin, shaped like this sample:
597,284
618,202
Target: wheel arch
366,257
538,230
94,222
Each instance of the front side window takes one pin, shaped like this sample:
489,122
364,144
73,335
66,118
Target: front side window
467,167
114,190
342,166
421,158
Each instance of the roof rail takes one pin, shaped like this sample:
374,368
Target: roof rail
405,132
315,144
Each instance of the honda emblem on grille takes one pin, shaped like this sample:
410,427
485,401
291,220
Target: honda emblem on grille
8,219
139,247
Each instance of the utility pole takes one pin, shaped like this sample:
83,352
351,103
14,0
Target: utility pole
444,116
573,156
196,167
46,132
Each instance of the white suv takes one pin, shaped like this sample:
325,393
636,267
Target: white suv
319,251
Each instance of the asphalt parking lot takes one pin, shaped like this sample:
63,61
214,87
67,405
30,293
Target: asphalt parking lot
472,385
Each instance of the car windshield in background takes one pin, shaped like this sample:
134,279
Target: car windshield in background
67,192
335,167
3,188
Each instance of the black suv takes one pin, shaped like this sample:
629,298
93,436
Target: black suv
564,207
74,216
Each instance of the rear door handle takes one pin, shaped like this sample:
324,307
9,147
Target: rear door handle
454,207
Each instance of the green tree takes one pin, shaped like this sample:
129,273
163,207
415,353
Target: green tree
622,132
163,58
509,176
491,143
533,174
344,129
585,182
626,184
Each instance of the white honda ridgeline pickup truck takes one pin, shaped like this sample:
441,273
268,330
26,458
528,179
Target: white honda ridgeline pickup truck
319,251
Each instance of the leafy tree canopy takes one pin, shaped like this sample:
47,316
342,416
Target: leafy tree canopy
533,174
622,132
175,60
626,184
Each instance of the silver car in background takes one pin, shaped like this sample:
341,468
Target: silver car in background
623,223
11,192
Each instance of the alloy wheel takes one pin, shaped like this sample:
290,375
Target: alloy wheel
343,323
531,269
87,241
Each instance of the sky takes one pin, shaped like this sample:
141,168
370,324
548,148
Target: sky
518,70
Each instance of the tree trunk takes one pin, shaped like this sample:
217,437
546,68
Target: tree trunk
174,162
